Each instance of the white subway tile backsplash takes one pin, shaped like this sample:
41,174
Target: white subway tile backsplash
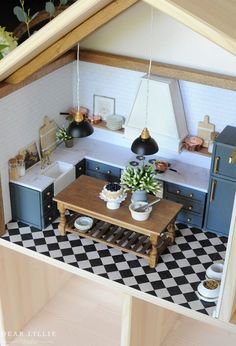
200,100
122,84
108,81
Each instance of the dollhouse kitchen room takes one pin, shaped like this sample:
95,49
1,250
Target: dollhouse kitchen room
81,135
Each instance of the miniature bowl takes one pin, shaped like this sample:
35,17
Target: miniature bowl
161,166
83,223
209,289
215,271
139,215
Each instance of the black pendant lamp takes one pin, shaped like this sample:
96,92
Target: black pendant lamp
144,144
80,127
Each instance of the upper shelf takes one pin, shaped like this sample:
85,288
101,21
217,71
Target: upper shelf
214,19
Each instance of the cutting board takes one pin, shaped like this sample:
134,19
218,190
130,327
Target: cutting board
47,135
205,129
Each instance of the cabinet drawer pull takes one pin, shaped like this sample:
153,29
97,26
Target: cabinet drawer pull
189,219
191,195
232,157
216,164
48,193
213,189
97,168
50,218
108,172
190,208
80,168
178,192
49,206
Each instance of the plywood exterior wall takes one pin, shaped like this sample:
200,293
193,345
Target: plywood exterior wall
2,223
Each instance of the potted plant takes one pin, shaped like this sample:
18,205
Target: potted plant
139,180
7,42
63,135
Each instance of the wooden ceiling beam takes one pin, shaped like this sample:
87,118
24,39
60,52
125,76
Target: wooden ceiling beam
70,40
161,69
6,88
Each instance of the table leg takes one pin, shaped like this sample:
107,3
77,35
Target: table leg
153,252
171,232
62,223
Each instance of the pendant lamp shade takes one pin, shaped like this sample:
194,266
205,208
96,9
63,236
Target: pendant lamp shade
80,127
144,144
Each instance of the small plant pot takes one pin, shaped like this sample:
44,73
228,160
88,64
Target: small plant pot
139,195
69,143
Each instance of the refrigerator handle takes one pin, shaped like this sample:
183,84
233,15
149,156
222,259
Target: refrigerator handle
213,189
216,164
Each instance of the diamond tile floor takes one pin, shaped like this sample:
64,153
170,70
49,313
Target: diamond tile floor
175,278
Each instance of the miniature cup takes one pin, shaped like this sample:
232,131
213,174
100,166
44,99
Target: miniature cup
215,271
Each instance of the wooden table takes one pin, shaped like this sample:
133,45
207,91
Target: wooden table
117,228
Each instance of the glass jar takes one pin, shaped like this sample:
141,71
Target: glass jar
13,172
20,165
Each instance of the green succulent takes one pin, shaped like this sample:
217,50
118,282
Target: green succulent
139,178
63,135
7,42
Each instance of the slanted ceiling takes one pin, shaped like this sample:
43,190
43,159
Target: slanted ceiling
58,36
214,19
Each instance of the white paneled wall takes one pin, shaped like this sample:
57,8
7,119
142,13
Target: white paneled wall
22,113
200,100
108,81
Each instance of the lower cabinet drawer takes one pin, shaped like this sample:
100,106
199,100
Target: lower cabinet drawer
186,192
101,168
193,209
50,216
188,204
48,206
190,218
48,192
103,176
80,168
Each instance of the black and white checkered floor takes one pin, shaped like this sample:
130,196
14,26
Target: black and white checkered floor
175,278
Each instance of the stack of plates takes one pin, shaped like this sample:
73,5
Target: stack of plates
115,122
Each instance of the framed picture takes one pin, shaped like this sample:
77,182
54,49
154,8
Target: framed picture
31,155
103,106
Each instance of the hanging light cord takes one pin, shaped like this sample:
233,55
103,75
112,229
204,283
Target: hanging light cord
150,64
77,77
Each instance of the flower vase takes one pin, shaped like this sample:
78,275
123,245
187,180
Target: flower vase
69,143
139,195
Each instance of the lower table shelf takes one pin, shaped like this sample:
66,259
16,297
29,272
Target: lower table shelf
119,237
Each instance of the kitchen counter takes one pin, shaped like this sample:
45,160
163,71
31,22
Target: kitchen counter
187,175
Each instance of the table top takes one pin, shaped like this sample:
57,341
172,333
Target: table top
83,196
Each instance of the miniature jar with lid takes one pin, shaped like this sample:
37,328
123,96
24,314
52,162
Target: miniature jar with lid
13,172
20,165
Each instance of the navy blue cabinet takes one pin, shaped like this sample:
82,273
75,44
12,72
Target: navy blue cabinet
222,185
80,168
193,202
102,171
33,207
